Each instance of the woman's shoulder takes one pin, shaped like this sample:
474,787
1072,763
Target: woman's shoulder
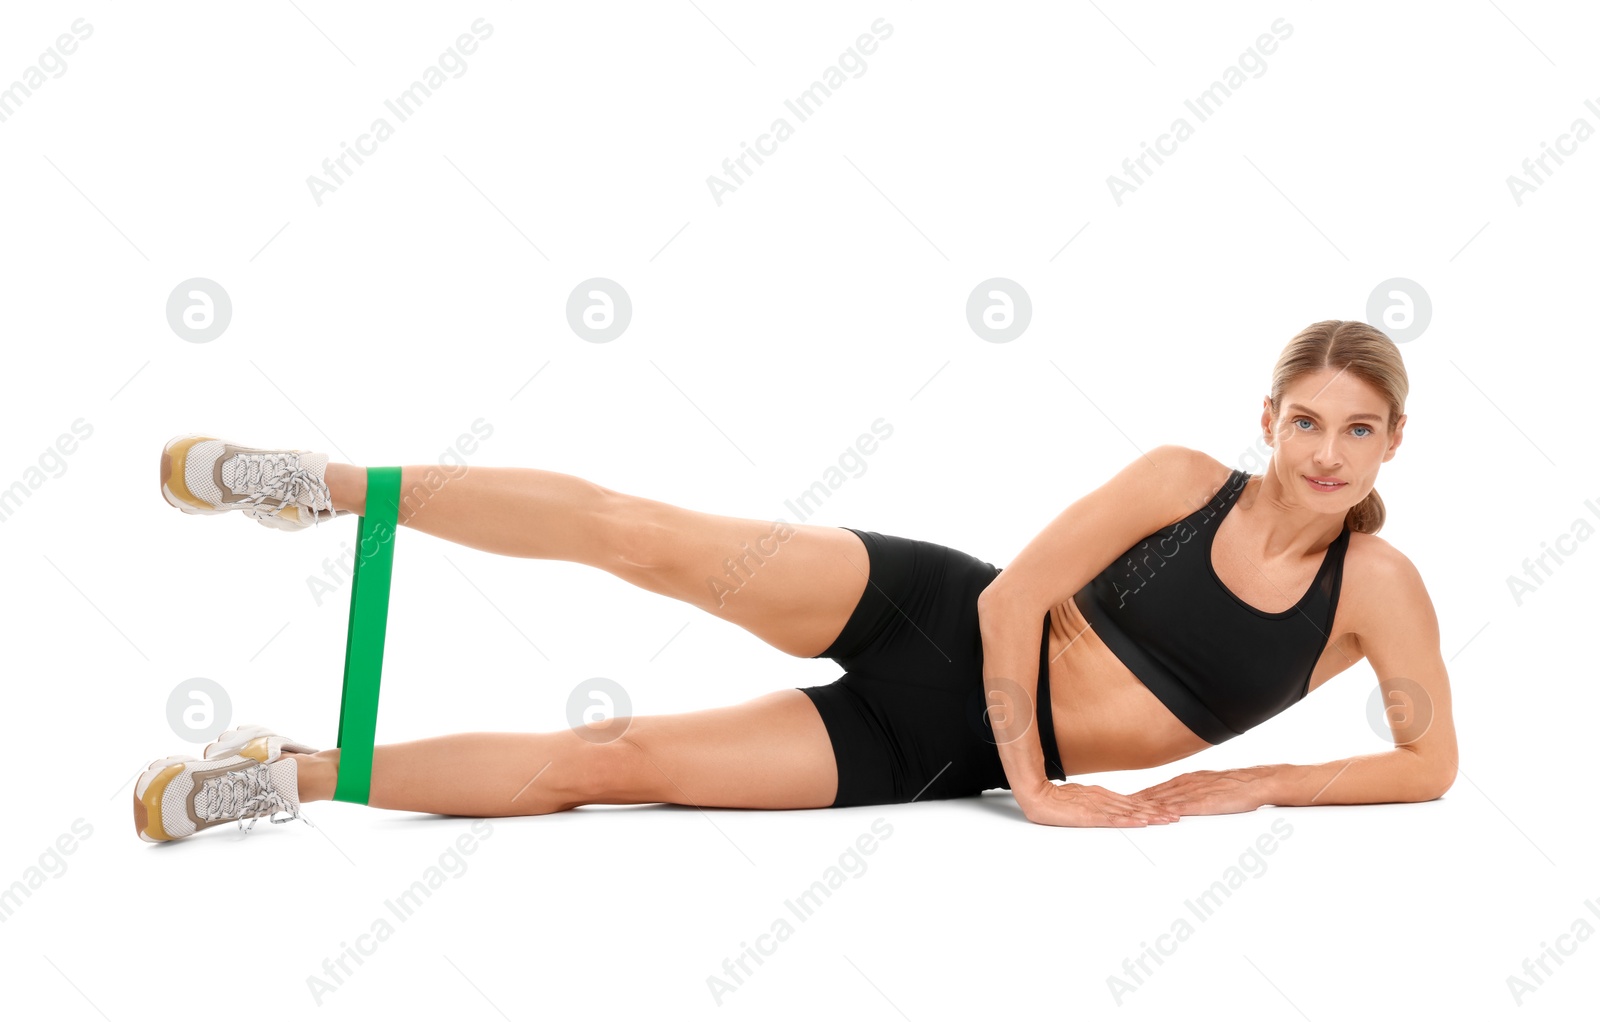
1376,556
1380,577
1190,479
1191,468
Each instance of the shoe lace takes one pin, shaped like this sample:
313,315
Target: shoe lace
245,794
279,475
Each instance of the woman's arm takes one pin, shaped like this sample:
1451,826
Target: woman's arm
1399,775
1399,634
1155,490
1393,776
1011,634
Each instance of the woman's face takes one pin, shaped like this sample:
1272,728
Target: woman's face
1331,428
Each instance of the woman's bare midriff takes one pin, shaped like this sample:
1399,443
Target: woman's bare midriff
1105,718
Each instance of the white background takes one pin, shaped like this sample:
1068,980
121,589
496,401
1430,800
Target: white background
768,332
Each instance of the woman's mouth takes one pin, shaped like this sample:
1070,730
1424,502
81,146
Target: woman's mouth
1323,484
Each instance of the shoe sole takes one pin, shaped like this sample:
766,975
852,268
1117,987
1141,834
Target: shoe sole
252,741
148,794
174,488
238,742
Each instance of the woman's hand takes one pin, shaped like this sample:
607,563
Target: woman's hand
1210,792
1079,805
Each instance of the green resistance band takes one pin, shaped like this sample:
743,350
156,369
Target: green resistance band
369,617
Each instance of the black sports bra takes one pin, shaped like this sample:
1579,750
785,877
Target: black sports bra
1220,665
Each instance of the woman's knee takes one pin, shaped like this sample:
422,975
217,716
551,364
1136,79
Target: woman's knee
600,763
636,531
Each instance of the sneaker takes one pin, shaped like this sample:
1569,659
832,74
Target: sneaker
256,741
201,475
180,795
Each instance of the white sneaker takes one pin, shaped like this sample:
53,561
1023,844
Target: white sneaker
256,741
180,796
201,475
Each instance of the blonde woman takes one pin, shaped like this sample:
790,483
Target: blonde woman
1175,606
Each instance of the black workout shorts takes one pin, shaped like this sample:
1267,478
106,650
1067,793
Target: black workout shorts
907,720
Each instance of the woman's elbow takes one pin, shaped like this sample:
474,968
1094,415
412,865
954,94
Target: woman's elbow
1005,606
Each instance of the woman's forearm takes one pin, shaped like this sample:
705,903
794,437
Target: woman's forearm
1010,636
1398,775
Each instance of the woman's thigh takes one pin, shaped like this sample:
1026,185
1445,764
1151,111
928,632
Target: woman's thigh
791,585
771,752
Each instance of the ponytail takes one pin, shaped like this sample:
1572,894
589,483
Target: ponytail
1366,516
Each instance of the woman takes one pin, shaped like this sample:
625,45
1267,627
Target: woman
1182,603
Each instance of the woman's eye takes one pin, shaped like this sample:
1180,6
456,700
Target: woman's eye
1309,425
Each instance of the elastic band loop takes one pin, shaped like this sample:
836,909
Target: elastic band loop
363,651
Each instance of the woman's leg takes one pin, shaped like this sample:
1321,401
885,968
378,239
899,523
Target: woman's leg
771,752
792,586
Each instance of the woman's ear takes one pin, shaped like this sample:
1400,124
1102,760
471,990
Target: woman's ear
1394,440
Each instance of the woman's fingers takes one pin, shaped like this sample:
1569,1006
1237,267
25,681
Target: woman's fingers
1134,809
1109,808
